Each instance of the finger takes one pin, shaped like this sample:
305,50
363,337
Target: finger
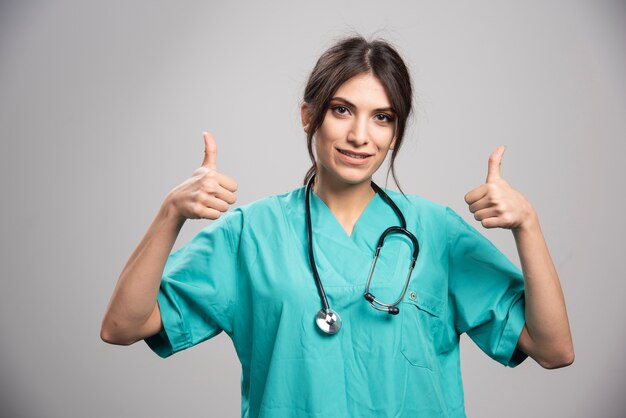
207,213
490,223
228,197
480,204
494,164
486,213
214,202
495,217
227,182
494,222
488,218
476,194
210,151
217,190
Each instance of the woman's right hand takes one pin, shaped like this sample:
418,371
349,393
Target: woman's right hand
207,193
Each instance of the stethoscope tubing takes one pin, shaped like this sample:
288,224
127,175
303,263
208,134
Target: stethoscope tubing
390,308
318,281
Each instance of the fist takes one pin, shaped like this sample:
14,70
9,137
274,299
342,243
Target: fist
496,204
208,193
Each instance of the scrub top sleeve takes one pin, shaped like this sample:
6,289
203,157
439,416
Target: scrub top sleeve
486,292
198,291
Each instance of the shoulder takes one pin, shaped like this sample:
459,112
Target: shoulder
418,206
428,215
414,200
267,211
269,205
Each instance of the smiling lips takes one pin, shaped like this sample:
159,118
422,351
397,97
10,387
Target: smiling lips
354,157
354,154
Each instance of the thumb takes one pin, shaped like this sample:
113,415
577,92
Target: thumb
495,161
210,151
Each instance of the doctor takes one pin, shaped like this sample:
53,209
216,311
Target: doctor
249,273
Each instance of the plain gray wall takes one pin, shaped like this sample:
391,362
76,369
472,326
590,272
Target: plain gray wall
102,105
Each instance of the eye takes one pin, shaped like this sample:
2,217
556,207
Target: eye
340,110
383,117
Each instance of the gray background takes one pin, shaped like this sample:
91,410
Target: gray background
102,106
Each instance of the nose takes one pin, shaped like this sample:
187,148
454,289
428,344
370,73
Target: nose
358,134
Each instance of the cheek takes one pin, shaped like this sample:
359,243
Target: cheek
325,136
323,149
330,128
384,136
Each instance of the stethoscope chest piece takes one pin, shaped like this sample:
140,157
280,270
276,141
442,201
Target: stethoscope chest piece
329,322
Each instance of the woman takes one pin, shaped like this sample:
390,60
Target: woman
262,272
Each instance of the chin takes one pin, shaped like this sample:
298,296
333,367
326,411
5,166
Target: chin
353,179
350,176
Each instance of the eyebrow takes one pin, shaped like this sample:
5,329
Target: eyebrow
347,102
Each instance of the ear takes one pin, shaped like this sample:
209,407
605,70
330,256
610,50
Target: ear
305,116
393,144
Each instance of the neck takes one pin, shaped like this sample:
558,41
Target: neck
346,201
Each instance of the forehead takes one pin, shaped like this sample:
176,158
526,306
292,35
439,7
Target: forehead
364,90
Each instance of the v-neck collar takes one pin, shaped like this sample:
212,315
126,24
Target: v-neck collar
324,218
344,260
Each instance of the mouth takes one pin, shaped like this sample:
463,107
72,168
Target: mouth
354,154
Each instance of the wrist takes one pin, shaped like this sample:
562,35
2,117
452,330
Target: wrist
529,223
168,212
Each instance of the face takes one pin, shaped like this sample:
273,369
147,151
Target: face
357,132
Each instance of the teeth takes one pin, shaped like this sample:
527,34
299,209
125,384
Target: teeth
352,155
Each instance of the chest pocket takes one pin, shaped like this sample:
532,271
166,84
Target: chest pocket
421,327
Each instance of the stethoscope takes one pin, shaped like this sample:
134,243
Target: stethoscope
329,321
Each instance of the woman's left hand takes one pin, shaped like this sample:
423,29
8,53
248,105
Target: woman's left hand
496,204
546,335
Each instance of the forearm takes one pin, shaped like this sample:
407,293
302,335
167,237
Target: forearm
548,339
135,294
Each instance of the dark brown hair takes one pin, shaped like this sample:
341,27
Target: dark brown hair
348,58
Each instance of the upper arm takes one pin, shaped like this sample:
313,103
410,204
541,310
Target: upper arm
544,356
153,325
487,292
198,291
524,343
115,333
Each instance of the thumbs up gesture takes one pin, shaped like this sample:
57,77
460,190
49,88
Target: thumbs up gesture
208,193
496,204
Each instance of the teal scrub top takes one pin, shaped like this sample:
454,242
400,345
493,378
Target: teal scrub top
248,274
